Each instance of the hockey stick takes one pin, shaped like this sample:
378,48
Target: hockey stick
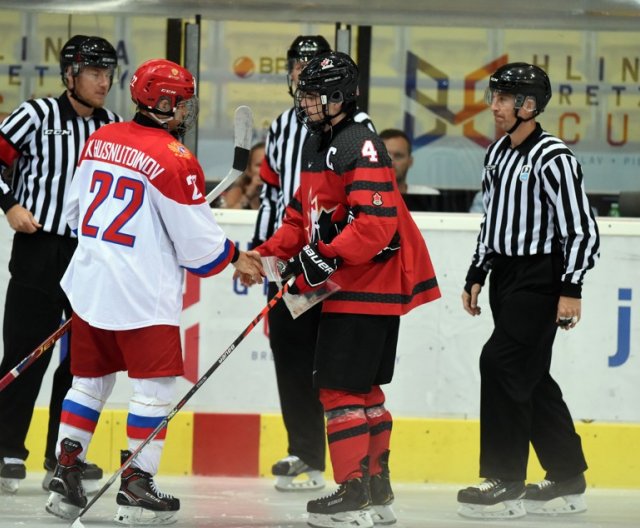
41,349
243,130
77,523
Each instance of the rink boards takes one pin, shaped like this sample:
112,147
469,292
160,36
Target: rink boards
232,426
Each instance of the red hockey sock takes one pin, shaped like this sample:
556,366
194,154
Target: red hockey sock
347,432
380,423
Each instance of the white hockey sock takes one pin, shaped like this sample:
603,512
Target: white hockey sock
81,410
149,405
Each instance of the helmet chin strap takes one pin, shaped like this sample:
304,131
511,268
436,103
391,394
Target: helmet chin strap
81,101
518,121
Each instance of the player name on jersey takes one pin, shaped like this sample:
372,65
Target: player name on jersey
123,155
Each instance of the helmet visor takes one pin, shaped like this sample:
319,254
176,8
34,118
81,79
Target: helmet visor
502,99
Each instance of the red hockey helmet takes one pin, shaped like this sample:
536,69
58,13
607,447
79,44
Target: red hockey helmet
159,85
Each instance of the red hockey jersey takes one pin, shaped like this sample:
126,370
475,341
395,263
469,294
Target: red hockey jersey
348,199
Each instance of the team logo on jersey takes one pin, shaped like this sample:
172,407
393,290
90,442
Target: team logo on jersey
179,150
524,174
330,152
56,132
376,199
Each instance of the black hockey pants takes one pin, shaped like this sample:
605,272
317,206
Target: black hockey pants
293,344
520,401
33,310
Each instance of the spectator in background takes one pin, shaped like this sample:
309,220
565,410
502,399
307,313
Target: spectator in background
416,197
245,193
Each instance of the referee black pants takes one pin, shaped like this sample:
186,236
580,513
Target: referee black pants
293,343
520,401
33,309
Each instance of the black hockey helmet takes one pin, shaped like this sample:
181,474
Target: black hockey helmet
303,49
306,47
81,51
334,77
523,80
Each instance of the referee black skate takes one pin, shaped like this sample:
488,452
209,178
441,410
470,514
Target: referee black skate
44,138
538,239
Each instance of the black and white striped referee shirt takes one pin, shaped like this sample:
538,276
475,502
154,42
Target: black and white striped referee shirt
281,170
535,204
45,137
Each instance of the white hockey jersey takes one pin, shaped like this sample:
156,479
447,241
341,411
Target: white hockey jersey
137,203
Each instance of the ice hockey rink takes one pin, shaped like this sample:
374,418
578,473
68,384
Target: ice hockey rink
254,503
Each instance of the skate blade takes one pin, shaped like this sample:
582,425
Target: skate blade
57,506
503,510
314,481
383,515
134,515
353,519
565,505
9,485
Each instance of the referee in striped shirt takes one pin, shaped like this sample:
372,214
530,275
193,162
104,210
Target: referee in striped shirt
538,238
43,139
293,342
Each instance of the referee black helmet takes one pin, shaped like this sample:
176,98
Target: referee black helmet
81,51
303,49
522,80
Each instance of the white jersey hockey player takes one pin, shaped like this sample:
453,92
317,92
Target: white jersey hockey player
138,207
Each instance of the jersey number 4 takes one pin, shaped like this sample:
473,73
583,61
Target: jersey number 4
102,186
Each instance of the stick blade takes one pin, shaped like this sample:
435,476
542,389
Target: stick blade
243,127
76,524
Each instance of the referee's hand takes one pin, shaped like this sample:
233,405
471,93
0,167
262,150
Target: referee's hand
21,220
470,300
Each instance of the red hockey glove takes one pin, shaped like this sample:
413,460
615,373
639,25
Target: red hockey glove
310,268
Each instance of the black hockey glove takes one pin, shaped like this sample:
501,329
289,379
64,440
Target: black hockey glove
310,268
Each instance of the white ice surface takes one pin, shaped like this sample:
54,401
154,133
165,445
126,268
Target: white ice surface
254,503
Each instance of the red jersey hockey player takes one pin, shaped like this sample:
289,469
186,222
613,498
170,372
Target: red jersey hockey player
138,207
348,221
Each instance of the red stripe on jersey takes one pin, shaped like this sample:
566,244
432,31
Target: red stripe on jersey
140,433
78,422
268,175
8,153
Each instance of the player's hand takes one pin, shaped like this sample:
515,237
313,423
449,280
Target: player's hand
311,269
249,268
22,220
470,300
569,311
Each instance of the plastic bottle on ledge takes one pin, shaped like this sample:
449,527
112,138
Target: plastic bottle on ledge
614,210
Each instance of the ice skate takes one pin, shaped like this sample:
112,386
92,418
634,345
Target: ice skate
348,507
140,501
90,476
67,496
12,471
556,498
382,494
290,473
492,499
